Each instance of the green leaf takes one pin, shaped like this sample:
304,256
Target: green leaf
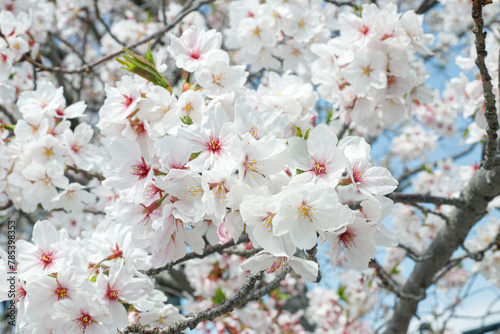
329,116
283,296
143,66
358,10
219,296
194,155
149,56
8,127
299,132
341,293
427,168
394,269
186,120
307,133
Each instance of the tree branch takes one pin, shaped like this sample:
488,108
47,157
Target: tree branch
489,98
482,188
243,296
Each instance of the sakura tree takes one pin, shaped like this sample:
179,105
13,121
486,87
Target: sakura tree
278,166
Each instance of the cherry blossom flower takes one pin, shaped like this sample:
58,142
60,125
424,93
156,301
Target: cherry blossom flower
358,242
258,213
304,211
216,141
257,34
45,179
367,70
120,102
258,124
280,262
49,290
43,101
367,179
82,314
174,152
73,198
194,47
49,252
129,168
82,153
171,237
191,104
317,157
118,287
218,78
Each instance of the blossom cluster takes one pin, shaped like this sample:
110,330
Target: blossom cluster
215,137
204,158
368,69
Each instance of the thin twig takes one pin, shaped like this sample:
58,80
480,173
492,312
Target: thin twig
425,6
208,250
410,173
85,173
412,254
432,212
340,4
108,30
476,256
87,68
391,284
420,198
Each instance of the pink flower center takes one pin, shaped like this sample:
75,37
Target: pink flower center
348,239
268,221
151,191
127,100
141,170
138,126
177,165
46,258
280,264
219,189
214,145
255,132
21,293
364,30
112,294
250,165
195,54
319,166
358,173
61,292
84,321
75,148
305,212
